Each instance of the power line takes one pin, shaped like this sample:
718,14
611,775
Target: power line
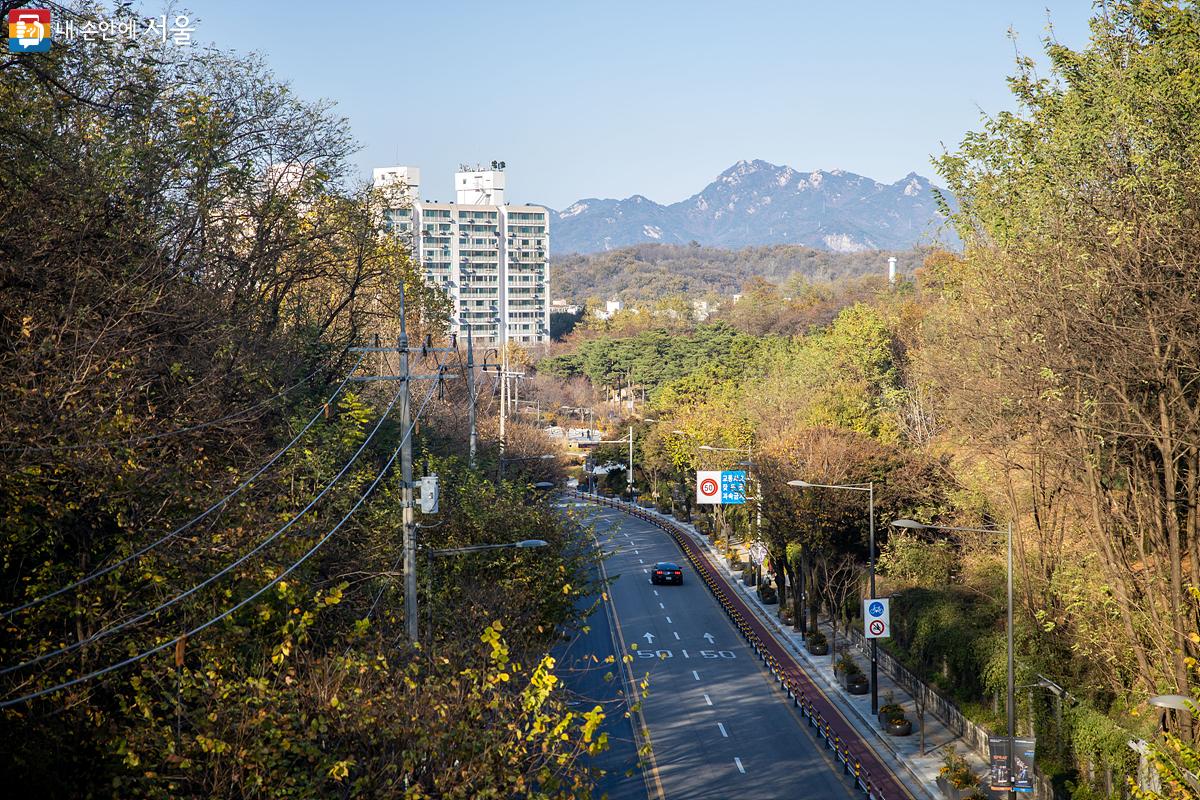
243,603
13,447
165,537
106,632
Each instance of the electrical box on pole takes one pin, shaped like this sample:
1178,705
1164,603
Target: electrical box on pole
428,486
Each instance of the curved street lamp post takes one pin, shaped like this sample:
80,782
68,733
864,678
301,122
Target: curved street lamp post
474,548
1010,704
869,488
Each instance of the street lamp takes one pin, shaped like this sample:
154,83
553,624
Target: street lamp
479,548
869,488
1010,705
629,470
474,548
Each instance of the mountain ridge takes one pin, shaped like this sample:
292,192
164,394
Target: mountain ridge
759,203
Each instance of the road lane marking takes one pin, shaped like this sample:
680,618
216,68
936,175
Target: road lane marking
640,561
646,571
660,605
722,727
636,553
707,699
741,769
656,592
685,655
695,675
676,635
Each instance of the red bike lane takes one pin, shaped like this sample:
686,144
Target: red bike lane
855,755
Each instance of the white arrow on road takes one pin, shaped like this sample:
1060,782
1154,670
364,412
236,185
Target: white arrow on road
710,637
649,637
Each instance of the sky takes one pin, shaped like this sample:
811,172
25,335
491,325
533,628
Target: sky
612,98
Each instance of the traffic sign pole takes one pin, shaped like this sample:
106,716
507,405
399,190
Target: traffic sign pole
874,642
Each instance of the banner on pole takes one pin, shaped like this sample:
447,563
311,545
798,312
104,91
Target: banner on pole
1020,779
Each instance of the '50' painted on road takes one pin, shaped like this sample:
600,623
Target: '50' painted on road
665,654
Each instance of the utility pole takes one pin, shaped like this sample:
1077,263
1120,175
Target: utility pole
503,375
1011,705
471,398
629,474
410,526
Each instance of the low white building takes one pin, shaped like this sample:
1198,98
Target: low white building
610,309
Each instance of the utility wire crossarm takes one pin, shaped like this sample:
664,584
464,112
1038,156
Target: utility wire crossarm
136,555
241,604
178,598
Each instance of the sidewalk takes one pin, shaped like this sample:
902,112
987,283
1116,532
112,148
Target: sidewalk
901,754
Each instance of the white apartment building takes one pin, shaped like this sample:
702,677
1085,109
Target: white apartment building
492,258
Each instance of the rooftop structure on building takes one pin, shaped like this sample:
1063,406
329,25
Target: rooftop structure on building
491,257
610,310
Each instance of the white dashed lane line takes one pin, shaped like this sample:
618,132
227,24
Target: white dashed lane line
707,699
668,620
722,727
695,675
676,635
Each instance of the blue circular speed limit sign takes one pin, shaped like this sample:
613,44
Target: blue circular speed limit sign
876,608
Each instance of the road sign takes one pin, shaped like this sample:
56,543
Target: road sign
721,487
877,618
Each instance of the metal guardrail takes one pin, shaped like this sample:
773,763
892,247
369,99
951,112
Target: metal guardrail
851,765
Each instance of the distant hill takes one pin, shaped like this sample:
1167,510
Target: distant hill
651,271
758,203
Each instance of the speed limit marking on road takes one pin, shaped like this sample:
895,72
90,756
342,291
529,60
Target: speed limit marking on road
877,618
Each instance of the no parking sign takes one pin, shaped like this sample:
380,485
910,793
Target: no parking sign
877,617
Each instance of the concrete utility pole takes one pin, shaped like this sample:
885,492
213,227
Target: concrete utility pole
1011,705
471,398
629,474
410,526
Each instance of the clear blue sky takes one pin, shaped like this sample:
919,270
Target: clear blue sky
655,97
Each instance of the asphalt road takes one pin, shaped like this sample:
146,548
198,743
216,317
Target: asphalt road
583,667
718,724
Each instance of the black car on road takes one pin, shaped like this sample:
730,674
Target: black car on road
666,572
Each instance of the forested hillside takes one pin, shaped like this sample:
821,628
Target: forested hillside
652,271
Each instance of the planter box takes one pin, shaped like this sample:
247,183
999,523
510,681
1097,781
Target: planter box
858,684
950,793
900,727
821,649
